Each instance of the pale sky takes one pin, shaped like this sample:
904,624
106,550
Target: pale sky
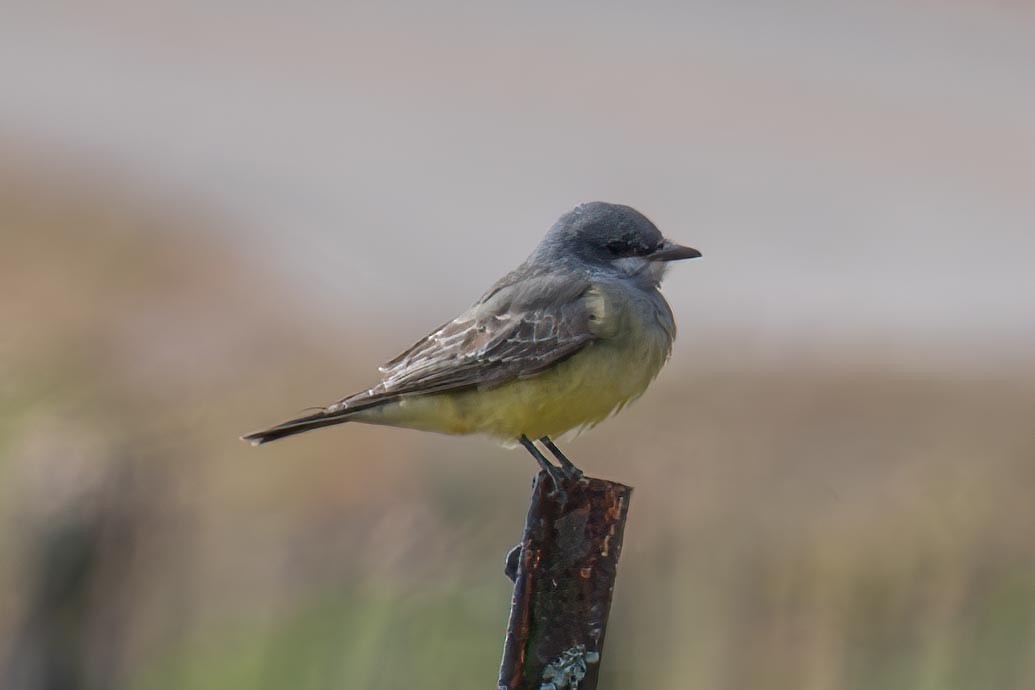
846,169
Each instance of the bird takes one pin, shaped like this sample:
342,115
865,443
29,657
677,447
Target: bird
568,338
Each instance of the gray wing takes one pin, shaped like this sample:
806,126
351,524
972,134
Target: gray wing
517,330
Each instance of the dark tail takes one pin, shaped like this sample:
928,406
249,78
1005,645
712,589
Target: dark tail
297,426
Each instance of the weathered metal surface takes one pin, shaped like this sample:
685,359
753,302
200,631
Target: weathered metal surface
565,578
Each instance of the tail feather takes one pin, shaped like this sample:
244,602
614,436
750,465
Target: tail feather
291,427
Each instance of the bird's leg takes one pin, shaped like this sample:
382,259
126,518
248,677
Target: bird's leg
557,475
567,466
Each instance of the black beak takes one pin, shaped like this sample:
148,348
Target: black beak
670,251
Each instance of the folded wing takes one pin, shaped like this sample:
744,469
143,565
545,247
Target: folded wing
521,327
515,332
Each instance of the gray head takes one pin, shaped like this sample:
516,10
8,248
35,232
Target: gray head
611,238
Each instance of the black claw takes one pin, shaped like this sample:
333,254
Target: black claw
571,472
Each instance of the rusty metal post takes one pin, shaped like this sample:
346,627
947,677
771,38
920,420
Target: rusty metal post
564,575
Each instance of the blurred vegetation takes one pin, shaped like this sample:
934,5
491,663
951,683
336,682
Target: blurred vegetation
817,522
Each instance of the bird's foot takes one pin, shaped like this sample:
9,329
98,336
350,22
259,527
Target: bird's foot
558,479
558,494
572,473
557,474
568,468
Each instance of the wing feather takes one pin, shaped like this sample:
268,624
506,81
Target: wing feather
516,331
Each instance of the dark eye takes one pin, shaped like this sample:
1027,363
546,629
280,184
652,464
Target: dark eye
618,247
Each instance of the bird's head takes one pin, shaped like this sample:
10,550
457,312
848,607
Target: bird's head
614,239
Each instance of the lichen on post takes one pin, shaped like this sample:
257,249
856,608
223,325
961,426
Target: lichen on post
564,576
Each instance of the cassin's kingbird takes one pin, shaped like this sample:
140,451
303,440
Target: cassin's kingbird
563,341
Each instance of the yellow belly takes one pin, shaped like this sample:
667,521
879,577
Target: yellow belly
580,391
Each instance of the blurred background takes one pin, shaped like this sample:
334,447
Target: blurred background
214,214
